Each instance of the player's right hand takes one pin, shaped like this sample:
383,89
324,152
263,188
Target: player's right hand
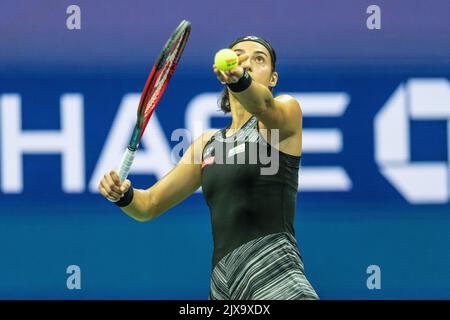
111,188
233,75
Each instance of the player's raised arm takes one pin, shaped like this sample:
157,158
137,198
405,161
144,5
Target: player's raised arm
175,186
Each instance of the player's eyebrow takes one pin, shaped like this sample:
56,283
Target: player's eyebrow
257,51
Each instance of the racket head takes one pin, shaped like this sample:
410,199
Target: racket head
159,78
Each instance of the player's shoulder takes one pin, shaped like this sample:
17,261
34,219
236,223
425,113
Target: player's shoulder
289,101
204,138
209,133
196,148
287,98
201,142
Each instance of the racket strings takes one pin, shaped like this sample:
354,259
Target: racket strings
161,76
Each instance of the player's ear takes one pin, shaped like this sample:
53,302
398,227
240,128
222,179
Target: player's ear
273,79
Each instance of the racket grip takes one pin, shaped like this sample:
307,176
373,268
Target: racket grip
125,164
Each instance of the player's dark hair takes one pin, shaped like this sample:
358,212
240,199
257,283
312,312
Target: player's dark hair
224,98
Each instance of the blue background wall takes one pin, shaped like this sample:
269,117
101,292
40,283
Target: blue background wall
323,47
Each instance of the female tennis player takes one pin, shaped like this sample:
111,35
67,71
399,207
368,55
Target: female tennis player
255,254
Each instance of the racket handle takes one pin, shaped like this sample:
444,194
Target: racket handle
125,164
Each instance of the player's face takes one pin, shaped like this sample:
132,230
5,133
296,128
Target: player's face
258,64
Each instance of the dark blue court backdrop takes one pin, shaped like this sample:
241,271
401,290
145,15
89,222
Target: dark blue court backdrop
375,175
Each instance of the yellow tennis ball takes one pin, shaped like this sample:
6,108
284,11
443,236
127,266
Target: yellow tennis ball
226,59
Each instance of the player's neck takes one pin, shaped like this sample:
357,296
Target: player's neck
238,114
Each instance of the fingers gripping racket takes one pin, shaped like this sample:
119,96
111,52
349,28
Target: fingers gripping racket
156,83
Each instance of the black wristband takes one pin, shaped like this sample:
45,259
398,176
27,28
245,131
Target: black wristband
244,82
126,199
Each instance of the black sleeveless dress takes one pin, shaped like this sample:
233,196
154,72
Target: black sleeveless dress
247,199
251,189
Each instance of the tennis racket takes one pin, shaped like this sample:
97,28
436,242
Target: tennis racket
156,83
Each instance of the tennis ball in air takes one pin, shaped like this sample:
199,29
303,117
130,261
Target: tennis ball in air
226,59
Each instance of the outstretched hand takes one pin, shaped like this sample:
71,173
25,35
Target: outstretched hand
233,75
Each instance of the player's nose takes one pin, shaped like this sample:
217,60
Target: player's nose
246,64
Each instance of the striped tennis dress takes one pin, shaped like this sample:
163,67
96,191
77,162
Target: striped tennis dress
251,189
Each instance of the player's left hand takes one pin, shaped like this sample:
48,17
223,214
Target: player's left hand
233,75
